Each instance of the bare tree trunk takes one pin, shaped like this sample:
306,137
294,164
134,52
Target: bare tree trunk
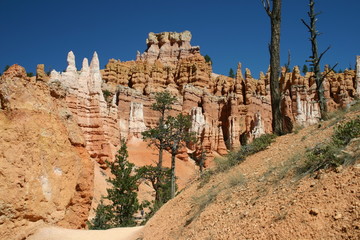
173,188
159,165
315,59
275,69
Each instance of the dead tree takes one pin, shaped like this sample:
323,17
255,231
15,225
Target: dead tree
274,12
315,59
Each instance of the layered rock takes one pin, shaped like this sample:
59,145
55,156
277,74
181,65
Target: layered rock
40,73
227,112
168,47
45,172
87,103
159,68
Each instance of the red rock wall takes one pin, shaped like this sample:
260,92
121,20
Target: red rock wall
227,112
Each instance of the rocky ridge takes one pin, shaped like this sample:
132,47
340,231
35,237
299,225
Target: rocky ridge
226,112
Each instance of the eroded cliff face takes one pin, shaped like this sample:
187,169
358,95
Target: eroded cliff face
46,173
226,112
87,104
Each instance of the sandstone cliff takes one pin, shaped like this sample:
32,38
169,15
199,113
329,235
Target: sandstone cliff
45,172
226,112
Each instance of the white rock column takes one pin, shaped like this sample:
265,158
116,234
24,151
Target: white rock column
136,119
197,120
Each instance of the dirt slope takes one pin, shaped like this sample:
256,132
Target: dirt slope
260,199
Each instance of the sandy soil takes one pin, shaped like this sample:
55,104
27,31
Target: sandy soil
259,199
55,233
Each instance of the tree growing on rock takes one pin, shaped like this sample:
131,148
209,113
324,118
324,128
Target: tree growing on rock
6,68
178,134
305,69
122,196
231,73
159,176
315,58
273,10
208,59
163,104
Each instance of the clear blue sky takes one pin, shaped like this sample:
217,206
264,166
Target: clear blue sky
229,31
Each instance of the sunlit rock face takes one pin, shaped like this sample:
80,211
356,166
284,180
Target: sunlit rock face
226,112
87,103
168,47
46,174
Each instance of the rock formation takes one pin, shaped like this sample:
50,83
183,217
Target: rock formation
45,172
168,47
40,73
87,103
227,112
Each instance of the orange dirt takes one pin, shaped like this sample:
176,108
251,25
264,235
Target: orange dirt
258,199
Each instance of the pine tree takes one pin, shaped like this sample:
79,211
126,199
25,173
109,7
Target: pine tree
6,68
159,176
160,181
163,104
305,69
231,73
208,59
122,195
102,217
178,134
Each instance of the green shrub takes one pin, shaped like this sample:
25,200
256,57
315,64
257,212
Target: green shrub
236,179
259,144
205,177
201,202
347,131
224,163
234,158
106,94
322,156
330,155
208,59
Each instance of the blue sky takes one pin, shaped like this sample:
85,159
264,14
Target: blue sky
229,31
